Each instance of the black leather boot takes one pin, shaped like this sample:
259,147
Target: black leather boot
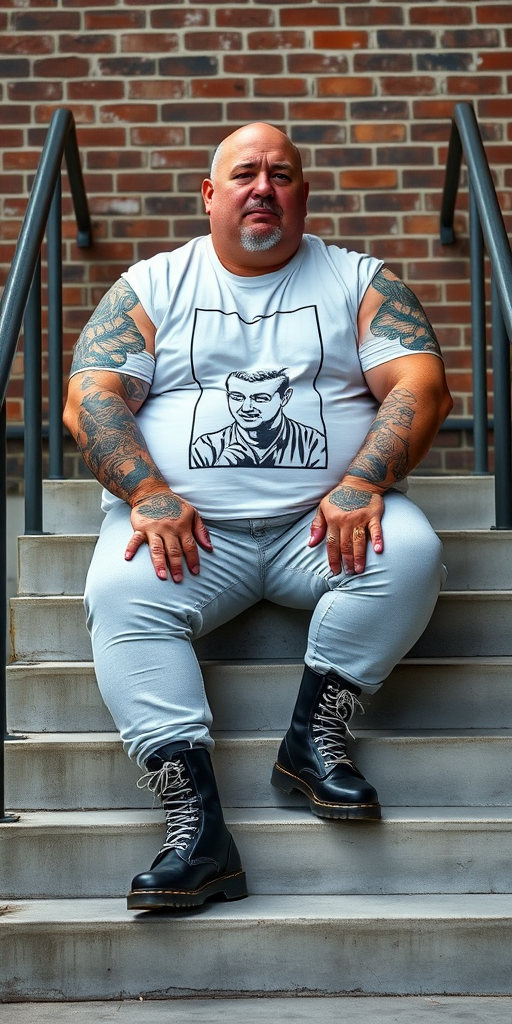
313,755
199,858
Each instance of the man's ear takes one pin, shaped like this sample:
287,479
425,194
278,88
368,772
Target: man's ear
207,194
287,395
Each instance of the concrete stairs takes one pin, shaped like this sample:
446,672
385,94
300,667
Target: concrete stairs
420,902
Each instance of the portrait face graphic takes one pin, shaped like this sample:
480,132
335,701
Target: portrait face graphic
254,404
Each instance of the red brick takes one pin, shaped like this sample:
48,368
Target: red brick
149,42
405,155
441,14
317,111
25,91
112,19
27,44
341,40
371,227
188,66
317,63
171,205
321,181
11,183
191,112
95,89
343,156
86,44
213,41
83,113
473,38
421,225
250,64
114,206
26,160
362,179
322,226
469,85
142,228
180,158
156,89
280,86
408,85
373,15
61,67
126,66
402,248
192,181
433,108
11,137
191,227
409,39
493,14
49,21
132,112
104,137
211,87
378,62
372,110
117,158
189,17
346,86
494,108
244,17
303,16
276,40
159,136
260,110
431,131
378,132
488,60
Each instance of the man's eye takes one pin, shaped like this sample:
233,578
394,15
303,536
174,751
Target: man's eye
236,396
261,398
285,177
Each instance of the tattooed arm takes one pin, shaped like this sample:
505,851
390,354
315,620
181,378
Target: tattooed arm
414,402
100,413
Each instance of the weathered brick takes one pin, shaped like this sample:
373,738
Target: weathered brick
171,206
494,107
321,181
173,17
362,179
160,136
186,228
188,66
341,40
374,110
405,155
318,133
346,85
378,132
132,112
95,89
343,156
180,158
11,137
192,181
14,113
250,64
451,61
213,41
316,110
46,21
441,14
244,17
371,227
126,66
377,62
260,110
63,67
281,86
191,112
212,87
372,15
26,44
156,89
276,40
408,39
142,228
317,64
149,42
408,85
114,19
493,14
333,204
30,90
117,158
289,16
14,67
27,159
489,60
470,38
87,43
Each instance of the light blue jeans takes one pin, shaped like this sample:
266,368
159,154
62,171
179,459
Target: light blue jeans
142,628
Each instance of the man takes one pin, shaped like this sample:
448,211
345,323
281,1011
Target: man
338,538
261,435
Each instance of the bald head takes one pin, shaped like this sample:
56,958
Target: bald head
248,131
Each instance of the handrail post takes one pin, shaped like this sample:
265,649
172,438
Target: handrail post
502,415
4,817
478,337
54,256
33,408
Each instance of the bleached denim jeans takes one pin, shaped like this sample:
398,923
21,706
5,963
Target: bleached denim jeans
143,628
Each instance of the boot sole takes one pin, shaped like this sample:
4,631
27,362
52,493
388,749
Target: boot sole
286,783
232,887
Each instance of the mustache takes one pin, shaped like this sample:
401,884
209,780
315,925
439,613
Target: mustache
263,204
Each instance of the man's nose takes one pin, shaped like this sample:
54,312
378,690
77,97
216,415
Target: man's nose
263,185
247,404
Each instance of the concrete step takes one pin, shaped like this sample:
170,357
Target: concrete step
412,850
476,560
421,693
449,502
68,771
95,949
464,624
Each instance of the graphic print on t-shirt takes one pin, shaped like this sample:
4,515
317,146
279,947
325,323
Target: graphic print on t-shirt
258,403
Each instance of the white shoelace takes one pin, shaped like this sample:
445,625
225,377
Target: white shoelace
330,723
181,806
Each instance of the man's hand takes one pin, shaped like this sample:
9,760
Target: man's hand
171,527
347,517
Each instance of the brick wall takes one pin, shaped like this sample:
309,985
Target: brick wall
365,89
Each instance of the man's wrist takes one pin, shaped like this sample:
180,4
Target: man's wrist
360,484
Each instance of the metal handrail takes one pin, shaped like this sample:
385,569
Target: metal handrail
487,232
21,300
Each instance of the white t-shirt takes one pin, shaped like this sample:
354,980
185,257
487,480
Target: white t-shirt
258,401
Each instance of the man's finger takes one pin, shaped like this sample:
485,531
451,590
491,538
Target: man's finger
359,541
157,552
318,529
135,542
332,543
201,533
376,536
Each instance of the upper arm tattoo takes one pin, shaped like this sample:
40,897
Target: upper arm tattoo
402,316
111,334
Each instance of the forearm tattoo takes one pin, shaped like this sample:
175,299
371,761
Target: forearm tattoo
384,455
348,498
161,506
111,442
111,334
402,316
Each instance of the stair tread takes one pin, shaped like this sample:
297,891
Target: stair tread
120,819
108,912
271,735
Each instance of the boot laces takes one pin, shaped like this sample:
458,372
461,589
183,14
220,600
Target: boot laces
180,804
330,723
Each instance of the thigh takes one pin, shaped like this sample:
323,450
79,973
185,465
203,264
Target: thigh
120,591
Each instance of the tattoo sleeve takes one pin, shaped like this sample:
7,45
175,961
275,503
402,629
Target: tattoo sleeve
110,440
384,456
111,334
402,316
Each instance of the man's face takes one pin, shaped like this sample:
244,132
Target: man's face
254,403
256,201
